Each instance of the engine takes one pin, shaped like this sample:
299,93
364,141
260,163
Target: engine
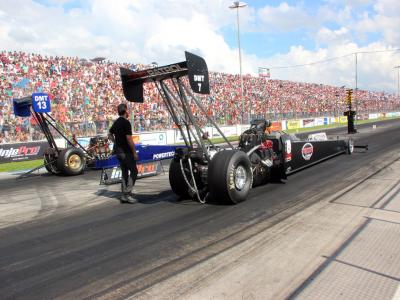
254,142
99,147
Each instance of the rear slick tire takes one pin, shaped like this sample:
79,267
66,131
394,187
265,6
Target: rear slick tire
230,177
71,161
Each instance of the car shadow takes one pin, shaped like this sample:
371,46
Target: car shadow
148,198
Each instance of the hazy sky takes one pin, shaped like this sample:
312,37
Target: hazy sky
273,33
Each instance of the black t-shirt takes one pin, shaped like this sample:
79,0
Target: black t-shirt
120,129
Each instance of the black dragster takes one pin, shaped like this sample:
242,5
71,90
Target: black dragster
203,170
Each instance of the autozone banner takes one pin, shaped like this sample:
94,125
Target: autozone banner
22,151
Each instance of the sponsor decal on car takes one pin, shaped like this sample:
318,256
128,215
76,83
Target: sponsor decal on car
288,151
164,155
321,136
307,151
164,70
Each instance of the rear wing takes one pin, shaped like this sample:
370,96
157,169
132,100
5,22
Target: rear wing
22,106
194,67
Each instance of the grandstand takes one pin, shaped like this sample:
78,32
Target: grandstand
84,95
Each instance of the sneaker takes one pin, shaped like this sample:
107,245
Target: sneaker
132,198
127,198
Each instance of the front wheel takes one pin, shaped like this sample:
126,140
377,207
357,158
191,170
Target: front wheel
230,176
350,146
71,161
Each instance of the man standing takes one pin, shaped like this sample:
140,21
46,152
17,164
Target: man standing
121,135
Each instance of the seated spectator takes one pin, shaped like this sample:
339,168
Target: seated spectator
84,95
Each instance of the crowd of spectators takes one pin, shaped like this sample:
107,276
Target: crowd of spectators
85,93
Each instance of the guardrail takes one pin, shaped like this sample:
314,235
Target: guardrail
14,152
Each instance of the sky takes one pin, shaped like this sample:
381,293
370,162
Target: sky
273,34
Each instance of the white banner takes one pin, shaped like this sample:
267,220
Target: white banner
373,116
319,121
308,123
229,130
393,114
153,138
264,72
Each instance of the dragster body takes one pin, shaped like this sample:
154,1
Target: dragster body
203,170
73,159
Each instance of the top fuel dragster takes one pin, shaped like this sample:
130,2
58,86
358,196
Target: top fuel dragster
203,170
73,159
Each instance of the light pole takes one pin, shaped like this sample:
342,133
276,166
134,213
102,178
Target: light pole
356,89
236,5
398,80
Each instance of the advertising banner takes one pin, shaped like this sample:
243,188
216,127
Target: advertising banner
136,138
373,116
179,138
393,114
153,138
22,151
276,126
319,121
264,72
114,175
293,124
228,130
308,122
362,117
214,133
284,124
84,141
343,119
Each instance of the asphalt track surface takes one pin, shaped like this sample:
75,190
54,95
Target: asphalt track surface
115,251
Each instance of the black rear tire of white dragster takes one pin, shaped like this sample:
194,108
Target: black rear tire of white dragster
71,161
350,146
176,179
221,176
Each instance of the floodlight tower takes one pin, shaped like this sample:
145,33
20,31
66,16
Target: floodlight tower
398,80
236,5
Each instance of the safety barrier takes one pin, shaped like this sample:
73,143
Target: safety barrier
27,151
22,151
